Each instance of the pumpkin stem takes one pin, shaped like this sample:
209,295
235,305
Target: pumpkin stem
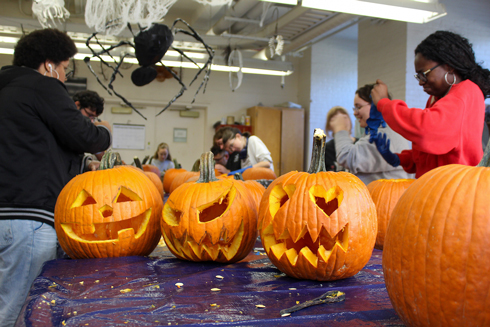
485,161
238,177
137,162
206,169
318,153
109,160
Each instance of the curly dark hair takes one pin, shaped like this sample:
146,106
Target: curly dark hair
364,92
446,47
47,44
91,100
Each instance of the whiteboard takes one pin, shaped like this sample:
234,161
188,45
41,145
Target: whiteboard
125,136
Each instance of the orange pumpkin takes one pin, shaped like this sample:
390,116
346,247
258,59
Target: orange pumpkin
318,225
181,179
211,219
108,213
258,173
155,179
385,194
169,177
437,249
255,188
151,168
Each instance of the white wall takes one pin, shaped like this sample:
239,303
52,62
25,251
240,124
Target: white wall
219,100
333,80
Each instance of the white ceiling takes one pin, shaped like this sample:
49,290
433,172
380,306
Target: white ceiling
237,26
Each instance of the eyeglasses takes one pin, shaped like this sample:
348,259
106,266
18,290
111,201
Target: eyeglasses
69,74
89,114
359,108
422,76
229,146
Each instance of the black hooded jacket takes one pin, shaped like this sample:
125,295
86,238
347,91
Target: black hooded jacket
42,139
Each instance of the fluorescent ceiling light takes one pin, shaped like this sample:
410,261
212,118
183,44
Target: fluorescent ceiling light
169,63
402,10
187,64
286,2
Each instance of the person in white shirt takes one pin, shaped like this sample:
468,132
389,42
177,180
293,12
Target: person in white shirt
253,152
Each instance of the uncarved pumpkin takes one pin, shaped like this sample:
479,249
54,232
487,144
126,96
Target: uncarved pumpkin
258,173
181,179
169,177
108,213
255,188
211,219
155,179
318,225
436,255
385,194
152,168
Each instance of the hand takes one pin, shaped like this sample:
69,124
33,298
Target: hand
93,165
379,91
340,122
383,146
222,169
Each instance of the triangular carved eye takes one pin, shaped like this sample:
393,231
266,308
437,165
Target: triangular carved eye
126,195
83,199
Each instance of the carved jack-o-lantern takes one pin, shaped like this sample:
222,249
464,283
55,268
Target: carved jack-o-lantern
210,219
318,225
108,213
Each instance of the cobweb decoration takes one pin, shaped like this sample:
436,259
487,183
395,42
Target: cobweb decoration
215,2
50,10
112,16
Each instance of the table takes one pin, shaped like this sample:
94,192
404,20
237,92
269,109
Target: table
141,291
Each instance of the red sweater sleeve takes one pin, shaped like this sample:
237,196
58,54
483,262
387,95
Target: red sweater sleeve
434,130
407,162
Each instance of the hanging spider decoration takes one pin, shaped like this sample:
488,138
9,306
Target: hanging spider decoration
150,46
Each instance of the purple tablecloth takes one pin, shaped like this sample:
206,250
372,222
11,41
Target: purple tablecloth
141,291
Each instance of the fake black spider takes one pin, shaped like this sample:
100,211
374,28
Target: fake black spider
150,46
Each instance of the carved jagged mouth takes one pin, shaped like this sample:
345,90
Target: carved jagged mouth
205,250
108,232
305,248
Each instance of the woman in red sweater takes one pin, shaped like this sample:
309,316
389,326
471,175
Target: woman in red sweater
449,129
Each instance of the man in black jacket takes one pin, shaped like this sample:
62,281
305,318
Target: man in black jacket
42,137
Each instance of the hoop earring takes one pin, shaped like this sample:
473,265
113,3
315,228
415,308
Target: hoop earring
454,79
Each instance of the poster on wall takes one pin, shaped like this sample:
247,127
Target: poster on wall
126,136
180,135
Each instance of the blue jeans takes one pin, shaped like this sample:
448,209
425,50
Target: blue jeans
24,247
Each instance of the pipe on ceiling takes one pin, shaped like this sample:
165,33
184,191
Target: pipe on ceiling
238,10
319,31
254,13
